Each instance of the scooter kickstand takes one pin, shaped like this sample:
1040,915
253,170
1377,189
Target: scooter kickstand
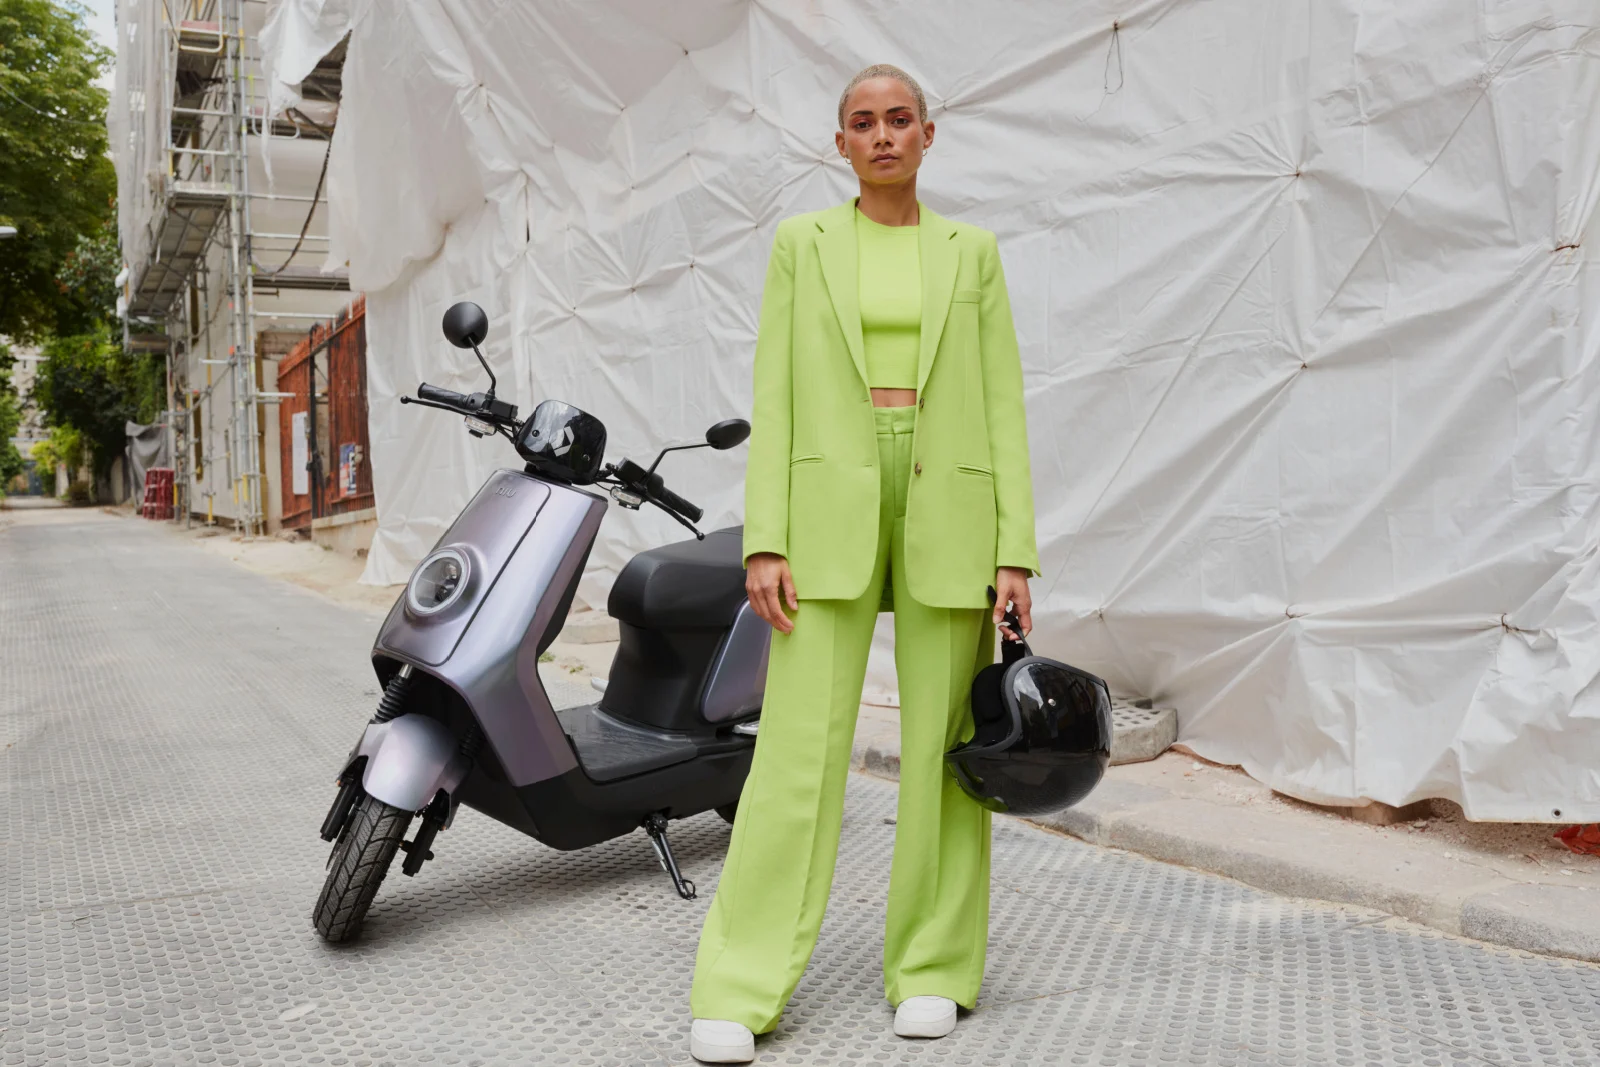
656,826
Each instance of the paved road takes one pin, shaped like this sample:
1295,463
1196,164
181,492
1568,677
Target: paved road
170,723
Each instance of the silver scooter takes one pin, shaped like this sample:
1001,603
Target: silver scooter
464,717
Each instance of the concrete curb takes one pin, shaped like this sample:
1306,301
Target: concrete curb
1318,858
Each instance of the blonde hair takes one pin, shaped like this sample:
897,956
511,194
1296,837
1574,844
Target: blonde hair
885,70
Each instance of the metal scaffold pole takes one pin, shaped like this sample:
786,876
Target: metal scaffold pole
246,458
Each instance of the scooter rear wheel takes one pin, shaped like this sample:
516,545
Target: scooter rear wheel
360,860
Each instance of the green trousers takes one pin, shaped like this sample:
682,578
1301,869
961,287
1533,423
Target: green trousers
762,926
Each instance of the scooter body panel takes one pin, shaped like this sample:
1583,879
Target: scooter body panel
486,533
738,678
511,620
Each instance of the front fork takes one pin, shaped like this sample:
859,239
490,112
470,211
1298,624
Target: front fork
349,781
435,817
344,802
417,849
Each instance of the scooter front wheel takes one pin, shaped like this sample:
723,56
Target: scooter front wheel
360,861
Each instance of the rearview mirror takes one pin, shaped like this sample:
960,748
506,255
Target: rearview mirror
727,433
465,325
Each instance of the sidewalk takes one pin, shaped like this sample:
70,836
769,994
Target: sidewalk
1506,883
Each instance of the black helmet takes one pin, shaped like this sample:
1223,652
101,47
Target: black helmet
562,442
1042,734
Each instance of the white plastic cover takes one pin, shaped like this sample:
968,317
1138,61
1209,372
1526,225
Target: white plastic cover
1306,292
136,119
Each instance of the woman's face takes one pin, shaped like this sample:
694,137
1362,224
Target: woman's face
882,138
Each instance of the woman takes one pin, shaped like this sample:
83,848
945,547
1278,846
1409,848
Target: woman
888,470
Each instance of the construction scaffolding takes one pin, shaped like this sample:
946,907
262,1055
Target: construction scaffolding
211,248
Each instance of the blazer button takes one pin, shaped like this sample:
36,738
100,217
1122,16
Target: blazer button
918,468
921,400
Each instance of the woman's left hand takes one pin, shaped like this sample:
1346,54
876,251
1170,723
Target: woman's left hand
1011,586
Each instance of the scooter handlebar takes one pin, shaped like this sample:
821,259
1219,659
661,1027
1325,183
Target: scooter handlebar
649,485
440,396
674,502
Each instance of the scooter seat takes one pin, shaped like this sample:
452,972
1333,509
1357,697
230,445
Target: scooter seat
686,585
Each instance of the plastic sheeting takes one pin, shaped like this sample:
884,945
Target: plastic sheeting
148,446
1306,293
136,122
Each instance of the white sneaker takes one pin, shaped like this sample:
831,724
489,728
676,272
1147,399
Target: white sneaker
719,1041
925,1017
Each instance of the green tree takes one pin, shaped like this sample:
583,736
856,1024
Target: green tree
57,184
64,445
11,460
89,275
88,383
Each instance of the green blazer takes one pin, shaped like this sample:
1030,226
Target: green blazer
811,486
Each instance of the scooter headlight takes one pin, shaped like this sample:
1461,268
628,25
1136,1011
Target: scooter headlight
438,582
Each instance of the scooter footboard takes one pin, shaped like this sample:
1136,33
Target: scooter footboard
409,759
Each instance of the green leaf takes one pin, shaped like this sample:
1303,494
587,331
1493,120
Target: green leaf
57,184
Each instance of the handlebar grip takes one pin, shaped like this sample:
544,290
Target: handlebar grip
666,496
439,396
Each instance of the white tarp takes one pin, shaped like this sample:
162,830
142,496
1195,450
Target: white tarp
1306,291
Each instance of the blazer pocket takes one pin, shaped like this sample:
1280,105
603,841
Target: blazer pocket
966,296
968,468
815,457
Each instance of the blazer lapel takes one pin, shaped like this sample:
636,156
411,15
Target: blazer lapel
836,249
939,258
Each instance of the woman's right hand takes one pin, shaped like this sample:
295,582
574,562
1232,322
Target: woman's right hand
768,584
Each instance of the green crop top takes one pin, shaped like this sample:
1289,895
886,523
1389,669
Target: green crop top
890,272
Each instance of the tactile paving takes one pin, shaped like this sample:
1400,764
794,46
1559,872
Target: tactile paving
171,724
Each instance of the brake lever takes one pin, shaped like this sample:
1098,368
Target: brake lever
431,404
685,522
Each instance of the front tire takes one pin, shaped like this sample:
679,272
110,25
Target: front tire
372,835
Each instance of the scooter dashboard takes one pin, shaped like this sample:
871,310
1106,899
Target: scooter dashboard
563,442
